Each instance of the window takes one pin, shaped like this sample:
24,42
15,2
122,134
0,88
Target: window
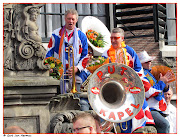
165,23
52,16
171,24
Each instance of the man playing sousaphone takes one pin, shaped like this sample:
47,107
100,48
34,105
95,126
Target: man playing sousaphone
61,40
121,53
156,99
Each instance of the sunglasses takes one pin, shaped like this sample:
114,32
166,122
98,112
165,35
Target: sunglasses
115,38
147,62
76,130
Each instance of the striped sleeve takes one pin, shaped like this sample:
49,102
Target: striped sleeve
53,46
84,51
155,90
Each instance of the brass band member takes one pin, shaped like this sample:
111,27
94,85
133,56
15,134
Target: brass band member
61,39
121,53
156,100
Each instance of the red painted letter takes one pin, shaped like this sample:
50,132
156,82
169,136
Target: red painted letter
135,106
111,115
123,69
129,112
120,115
103,111
111,72
99,74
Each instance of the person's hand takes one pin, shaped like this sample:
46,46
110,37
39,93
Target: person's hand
166,78
70,71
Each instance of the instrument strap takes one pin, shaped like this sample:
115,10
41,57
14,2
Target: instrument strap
69,36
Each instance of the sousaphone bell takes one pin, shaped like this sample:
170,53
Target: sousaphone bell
116,92
93,23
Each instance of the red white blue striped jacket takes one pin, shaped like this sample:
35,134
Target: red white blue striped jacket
156,99
81,58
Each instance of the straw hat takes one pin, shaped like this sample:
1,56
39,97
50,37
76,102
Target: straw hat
144,57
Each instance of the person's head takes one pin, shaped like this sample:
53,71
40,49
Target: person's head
146,65
117,36
168,95
71,18
84,123
34,12
145,59
14,129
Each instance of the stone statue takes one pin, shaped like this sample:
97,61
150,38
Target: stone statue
30,27
23,50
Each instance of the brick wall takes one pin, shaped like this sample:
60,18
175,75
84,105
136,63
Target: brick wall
143,43
148,44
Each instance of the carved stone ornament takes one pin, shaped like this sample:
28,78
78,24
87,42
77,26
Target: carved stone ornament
62,122
64,102
65,106
8,35
30,55
23,49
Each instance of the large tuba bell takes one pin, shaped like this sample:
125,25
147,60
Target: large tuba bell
93,23
116,92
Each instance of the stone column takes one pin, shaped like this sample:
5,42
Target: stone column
28,88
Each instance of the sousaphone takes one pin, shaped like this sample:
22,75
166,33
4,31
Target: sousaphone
93,23
116,92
